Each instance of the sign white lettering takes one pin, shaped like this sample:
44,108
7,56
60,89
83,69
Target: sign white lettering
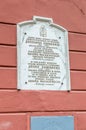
43,62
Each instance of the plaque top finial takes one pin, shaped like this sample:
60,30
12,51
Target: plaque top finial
42,19
50,20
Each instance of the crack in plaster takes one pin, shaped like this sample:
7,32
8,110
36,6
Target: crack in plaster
75,4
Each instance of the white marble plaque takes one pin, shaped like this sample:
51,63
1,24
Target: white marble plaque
42,55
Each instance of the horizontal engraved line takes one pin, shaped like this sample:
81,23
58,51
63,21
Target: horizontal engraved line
77,32
81,70
77,51
7,66
7,23
44,112
8,44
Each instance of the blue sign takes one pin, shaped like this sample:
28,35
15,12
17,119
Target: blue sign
52,123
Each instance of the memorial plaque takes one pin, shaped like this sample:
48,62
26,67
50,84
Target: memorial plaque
43,59
52,123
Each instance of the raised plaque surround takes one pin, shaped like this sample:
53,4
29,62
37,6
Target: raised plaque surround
42,55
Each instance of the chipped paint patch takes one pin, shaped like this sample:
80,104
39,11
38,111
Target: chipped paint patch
5,125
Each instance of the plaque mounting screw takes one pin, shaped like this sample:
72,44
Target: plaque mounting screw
62,83
59,37
25,82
